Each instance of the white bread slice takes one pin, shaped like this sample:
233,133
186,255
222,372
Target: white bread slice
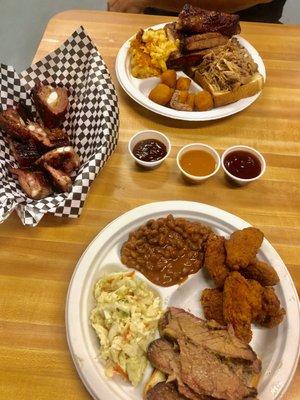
156,377
227,97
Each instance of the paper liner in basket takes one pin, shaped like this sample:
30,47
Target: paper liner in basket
92,123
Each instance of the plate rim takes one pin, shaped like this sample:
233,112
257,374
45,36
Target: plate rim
169,207
136,95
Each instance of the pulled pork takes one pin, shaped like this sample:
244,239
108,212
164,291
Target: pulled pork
228,67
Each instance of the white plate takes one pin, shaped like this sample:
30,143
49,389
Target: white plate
278,348
139,89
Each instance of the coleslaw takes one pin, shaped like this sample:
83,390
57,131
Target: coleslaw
125,320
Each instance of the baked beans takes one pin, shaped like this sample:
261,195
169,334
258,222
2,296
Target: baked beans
166,250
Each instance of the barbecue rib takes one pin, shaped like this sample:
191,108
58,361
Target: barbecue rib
25,153
33,183
63,158
180,61
51,104
203,41
60,179
15,127
196,20
25,112
57,137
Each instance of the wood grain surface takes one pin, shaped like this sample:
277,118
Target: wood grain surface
37,263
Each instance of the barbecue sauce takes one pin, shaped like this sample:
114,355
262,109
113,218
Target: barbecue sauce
197,162
242,164
149,150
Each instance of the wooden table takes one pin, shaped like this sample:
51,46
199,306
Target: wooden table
37,263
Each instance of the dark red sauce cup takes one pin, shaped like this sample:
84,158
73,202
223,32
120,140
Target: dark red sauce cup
243,164
146,135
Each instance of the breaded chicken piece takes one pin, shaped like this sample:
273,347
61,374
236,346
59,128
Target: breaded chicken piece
272,314
262,272
255,298
212,304
242,247
236,306
214,259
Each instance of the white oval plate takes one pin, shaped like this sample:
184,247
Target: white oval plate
278,348
139,89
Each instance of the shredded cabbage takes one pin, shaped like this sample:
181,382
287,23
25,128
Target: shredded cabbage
125,320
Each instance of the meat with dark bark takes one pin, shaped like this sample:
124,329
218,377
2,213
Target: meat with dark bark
25,153
25,112
205,374
57,137
60,179
162,355
50,138
33,183
40,134
164,391
177,323
206,361
171,32
203,41
182,61
63,158
12,125
51,104
196,20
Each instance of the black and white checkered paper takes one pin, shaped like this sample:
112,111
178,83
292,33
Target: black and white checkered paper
92,123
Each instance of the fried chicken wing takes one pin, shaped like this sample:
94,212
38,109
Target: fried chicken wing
255,298
214,259
212,304
262,272
272,314
242,247
237,309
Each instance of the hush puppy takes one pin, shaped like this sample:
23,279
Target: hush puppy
183,83
169,77
161,94
203,101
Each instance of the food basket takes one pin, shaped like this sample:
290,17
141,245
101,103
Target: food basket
92,124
